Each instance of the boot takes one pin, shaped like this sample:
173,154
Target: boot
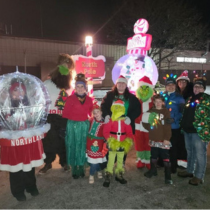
75,172
167,166
107,179
153,169
184,174
120,178
46,168
195,181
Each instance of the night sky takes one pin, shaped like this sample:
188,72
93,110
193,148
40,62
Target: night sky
69,20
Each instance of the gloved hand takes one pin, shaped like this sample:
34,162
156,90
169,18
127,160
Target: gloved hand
169,120
104,150
107,118
152,117
127,121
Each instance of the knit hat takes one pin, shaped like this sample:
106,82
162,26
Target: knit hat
118,102
170,80
184,75
145,81
200,81
122,79
80,79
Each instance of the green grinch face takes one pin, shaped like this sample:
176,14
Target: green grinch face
144,92
117,111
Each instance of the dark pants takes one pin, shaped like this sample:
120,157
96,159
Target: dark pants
54,142
160,153
21,181
94,168
177,151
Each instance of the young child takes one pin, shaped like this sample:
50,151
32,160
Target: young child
96,146
159,137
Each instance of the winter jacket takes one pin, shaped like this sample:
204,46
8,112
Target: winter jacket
174,103
134,109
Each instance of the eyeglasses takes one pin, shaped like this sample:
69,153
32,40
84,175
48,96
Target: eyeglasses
198,87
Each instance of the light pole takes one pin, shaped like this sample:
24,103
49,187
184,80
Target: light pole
88,45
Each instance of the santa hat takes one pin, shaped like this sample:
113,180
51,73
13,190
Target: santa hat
184,75
118,102
145,81
122,79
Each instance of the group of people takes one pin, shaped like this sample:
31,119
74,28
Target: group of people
83,132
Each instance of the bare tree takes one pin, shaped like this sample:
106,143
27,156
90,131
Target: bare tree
174,25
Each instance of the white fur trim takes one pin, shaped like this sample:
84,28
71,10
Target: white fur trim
37,131
144,83
183,77
145,117
122,80
140,127
182,163
145,105
24,167
96,160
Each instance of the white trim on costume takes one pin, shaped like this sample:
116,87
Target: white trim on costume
22,166
145,117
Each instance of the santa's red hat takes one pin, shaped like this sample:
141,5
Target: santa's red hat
118,102
184,75
145,81
122,79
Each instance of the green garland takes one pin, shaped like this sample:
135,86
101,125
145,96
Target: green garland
202,118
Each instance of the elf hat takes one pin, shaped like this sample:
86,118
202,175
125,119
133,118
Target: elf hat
184,75
122,79
145,81
118,102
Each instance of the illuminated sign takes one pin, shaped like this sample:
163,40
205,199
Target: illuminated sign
90,66
140,42
191,60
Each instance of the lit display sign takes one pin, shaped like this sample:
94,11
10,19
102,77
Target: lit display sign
191,60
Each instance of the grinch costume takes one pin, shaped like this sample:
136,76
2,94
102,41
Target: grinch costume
119,138
144,93
59,89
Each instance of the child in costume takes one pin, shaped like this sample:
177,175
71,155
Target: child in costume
144,93
159,137
119,138
77,109
96,146
59,88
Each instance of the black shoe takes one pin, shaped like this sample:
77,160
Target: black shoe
46,168
82,175
75,176
21,197
66,168
120,179
34,192
107,179
150,173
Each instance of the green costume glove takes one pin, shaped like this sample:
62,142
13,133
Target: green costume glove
152,118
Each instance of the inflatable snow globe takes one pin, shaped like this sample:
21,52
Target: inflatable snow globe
24,106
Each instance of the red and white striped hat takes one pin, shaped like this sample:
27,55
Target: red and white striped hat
122,79
145,81
118,102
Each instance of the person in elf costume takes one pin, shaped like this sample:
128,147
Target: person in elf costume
59,88
96,145
144,93
119,138
77,110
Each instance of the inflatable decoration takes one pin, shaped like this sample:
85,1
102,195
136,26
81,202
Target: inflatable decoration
136,63
24,105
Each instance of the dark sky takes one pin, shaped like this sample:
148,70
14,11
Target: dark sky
69,20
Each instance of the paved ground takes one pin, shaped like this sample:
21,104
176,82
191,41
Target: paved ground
59,191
